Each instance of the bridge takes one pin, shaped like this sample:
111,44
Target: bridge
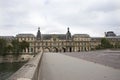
66,66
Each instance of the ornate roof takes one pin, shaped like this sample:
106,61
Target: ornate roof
38,34
81,35
25,35
109,34
49,36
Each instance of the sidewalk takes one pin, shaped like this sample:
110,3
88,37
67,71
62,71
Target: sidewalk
61,67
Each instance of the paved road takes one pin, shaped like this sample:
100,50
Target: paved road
104,57
57,66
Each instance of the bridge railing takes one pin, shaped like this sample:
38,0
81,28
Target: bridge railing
29,71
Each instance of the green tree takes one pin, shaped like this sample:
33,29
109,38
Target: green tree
24,45
105,43
8,48
16,47
3,44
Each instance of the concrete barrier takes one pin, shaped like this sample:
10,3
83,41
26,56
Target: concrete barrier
30,71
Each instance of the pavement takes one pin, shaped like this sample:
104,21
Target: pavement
56,66
109,58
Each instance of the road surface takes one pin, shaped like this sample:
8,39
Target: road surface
104,57
56,66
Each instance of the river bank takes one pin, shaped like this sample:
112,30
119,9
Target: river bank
12,58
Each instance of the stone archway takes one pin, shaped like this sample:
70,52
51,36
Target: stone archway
39,49
54,49
63,49
46,49
69,49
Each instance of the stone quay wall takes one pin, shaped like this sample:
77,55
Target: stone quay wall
29,71
12,58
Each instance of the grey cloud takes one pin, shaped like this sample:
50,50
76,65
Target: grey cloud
104,6
82,16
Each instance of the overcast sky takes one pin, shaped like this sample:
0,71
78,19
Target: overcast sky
93,17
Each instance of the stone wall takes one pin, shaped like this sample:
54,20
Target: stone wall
12,58
30,71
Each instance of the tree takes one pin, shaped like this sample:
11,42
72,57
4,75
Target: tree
8,48
105,43
24,45
3,44
16,47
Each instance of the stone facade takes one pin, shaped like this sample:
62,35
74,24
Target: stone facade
28,38
95,41
56,42
64,42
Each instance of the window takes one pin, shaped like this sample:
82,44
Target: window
31,49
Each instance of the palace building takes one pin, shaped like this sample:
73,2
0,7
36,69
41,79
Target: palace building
63,42
56,42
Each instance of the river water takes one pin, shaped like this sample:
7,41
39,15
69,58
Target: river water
7,69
